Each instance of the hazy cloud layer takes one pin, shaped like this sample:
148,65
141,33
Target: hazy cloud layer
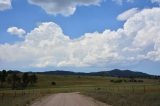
122,1
63,7
5,4
47,45
155,1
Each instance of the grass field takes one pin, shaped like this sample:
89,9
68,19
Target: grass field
117,94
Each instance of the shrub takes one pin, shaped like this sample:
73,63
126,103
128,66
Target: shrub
53,83
116,81
140,81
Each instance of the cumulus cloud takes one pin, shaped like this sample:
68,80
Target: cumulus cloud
5,4
63,7
47,45
127,14
16,31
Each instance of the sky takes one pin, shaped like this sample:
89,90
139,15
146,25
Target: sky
80,35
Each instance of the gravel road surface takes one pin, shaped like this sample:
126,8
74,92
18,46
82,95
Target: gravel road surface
68,99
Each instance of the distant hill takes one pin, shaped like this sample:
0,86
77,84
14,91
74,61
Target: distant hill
121,73
113,73
58,72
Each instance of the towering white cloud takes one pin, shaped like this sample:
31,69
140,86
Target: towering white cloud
47,45
16,31
127,14
64,7
5,4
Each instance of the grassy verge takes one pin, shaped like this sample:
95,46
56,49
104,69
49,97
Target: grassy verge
126,98
26,97
19,98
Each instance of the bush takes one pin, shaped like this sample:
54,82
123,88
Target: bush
116,81
53,83
140,81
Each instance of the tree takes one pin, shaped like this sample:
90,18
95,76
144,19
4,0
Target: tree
1,79
25,80
33,79
53,83
16,81
3,76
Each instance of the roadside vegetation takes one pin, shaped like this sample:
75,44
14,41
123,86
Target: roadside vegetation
13,80
125,98
116,91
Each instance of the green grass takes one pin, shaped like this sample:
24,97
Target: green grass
26,97
62,81
119,94
124,98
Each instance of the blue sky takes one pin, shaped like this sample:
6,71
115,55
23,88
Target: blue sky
97,16
85,19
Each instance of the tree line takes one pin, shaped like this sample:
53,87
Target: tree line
130,80
17,80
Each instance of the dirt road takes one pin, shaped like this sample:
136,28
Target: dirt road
68,99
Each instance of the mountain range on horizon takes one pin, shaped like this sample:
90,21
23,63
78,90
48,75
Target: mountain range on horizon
113,73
